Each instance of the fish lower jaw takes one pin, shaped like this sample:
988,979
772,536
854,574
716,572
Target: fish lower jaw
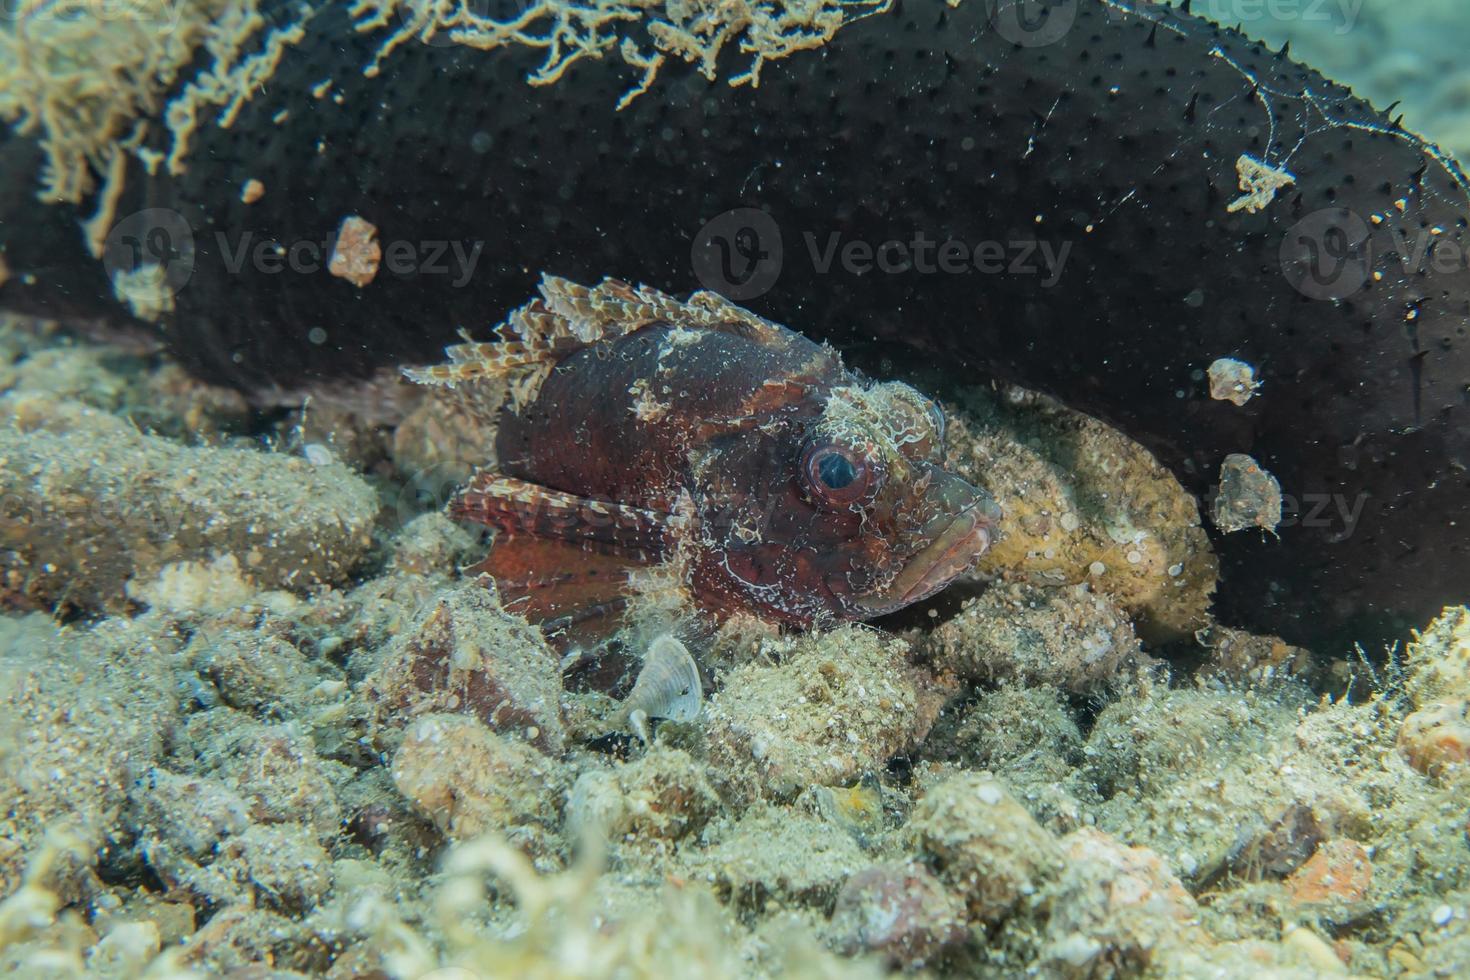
948,556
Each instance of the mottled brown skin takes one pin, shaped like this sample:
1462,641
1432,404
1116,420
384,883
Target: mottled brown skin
780,484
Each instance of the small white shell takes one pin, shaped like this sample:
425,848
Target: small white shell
668,686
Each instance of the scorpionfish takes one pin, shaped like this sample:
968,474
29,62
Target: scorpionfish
639,430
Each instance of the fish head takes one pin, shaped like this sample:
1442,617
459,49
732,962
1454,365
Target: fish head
861,517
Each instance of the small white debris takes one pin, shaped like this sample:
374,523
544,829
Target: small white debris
1260,181
1442,915
316,454
1233,381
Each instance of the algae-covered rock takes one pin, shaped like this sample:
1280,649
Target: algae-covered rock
983,844
81,717
777,854
90,504
900,911
1435,737
467,655
470,781
1112,909
662,796
1439,659
1083,503
1028,737
1021,634
835,706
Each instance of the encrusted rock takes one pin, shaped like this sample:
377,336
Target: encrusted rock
838,704
80,716
983,843
255,671
194,813
1436,739
899,911
1071,637
1085,504
1113,907
1340,872
470,781
432,544
663,795
668,795
275,768
777,854
91,503
1439,659
1028,737
466,655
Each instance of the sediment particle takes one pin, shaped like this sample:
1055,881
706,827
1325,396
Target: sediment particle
356,254
1232,381
1249,496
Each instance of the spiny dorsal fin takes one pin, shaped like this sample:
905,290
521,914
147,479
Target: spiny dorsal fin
569,317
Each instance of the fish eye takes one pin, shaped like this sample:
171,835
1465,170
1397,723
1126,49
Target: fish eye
836,474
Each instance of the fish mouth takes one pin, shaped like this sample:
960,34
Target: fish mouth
952,552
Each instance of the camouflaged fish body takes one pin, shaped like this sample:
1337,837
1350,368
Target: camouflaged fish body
642,430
